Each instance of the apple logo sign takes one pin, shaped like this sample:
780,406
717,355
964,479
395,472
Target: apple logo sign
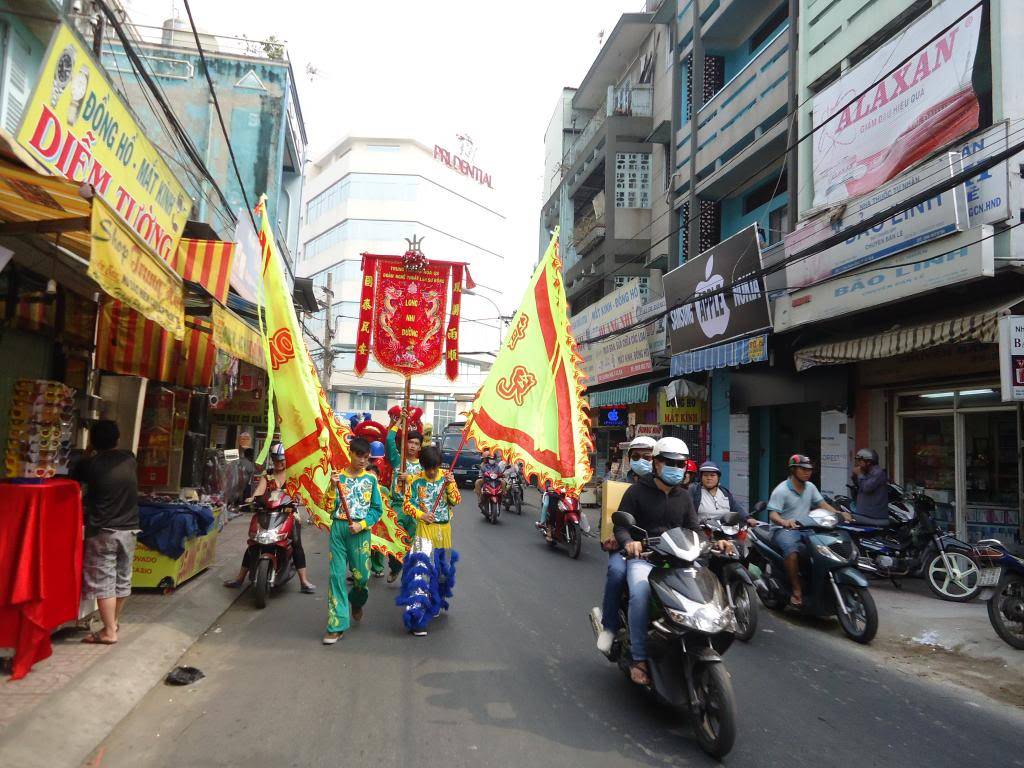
712,312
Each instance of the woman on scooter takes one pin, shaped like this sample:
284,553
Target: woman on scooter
268,483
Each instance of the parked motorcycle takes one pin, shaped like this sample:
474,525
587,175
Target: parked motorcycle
567,523
732,573
270,544
491,491
832,586
692,625
1002,586
513,498
909,543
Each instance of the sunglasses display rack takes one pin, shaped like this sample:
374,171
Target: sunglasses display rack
41,429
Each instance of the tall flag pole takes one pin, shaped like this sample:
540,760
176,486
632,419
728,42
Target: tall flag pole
531,406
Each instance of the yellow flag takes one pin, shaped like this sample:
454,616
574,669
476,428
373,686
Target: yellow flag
531,405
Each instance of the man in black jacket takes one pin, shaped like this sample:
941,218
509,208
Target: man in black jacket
658,503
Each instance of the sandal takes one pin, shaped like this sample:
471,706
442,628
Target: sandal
94,638
638,673
796,603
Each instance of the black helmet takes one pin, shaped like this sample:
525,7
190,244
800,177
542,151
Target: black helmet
799,460
867,454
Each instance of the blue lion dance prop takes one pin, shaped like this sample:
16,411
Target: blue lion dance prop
428,581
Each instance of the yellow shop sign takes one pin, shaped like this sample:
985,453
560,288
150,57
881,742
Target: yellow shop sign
235,338
77,126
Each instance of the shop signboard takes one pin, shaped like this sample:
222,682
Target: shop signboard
654,311
616,310
617,358
738,470
130,273
684,411
965,256
835,452
236,338
719,295
648,430
988,194
938,217
1011,357
77,126
926,101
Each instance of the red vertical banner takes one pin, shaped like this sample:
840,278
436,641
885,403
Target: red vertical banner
451,348
363,333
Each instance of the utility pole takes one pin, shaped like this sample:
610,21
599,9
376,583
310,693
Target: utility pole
328,367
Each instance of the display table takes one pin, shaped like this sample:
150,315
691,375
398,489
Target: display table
40,565
150,568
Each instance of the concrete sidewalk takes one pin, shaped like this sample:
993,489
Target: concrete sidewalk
68,703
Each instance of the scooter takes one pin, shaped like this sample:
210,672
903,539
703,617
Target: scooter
568,523
491,491
270,544
732,573
1003,589
832,584
908,542
691,626
513,498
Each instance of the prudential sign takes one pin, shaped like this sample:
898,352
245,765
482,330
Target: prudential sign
718,296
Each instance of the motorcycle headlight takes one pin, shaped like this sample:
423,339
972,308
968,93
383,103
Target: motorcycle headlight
268,536
827,552
703,617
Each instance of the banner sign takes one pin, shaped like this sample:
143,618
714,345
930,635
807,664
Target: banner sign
130,273
77,126
1011,357
736,304
988,194
944,262
616,310
940,216
236,338
922,105
654,310
688,411
402,310
647,430
617,358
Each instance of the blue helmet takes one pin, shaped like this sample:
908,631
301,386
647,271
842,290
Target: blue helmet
376,449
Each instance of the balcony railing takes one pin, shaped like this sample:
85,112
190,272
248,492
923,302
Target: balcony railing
636,101
588,232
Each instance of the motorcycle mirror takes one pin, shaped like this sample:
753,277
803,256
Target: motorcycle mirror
623,519
730,518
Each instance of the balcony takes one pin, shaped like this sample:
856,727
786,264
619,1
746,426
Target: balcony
588,233
745,118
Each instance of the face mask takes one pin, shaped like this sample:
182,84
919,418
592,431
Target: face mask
672,475
640,466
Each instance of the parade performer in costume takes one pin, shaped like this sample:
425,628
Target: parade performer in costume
357,508
429,577
413,443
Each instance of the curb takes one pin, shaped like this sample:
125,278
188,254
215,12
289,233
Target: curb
66,731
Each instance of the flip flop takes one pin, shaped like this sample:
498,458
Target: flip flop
93,638
639,675
796,603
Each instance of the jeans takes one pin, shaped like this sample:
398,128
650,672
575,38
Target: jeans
614,583
639,606
788,541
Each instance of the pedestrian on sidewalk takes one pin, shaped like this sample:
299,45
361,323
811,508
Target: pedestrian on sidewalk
357,507
111,504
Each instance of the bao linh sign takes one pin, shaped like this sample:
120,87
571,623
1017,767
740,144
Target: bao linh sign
464,167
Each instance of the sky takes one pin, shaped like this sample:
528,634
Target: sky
492,70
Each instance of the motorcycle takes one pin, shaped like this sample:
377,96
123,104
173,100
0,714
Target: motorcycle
832,584
491,491
270,544
568,523
909,543
1002,587
691,626
513,498
733,574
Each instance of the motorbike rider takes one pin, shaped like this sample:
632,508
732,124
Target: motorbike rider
712,499
268,483
791,500
872,484
639,455
489,463
658,503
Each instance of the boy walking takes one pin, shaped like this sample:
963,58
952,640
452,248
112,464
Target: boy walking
357,507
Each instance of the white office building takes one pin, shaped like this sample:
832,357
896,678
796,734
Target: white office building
367,195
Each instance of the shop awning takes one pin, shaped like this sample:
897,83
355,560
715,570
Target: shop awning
981,326
729,355
636,393
44,205
207,263
237,338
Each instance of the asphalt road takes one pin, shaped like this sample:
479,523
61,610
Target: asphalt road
511,678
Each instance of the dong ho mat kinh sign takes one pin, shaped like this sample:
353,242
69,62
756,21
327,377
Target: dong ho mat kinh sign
76,126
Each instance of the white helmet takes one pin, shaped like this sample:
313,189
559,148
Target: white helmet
671,448
643,442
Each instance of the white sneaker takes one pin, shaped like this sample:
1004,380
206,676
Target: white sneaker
604,641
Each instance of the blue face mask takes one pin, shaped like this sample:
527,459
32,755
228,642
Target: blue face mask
640,466
672,475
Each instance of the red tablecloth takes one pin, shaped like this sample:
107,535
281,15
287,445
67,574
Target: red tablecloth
40,565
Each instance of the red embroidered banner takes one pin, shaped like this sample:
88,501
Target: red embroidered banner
365,314
409,318
451,350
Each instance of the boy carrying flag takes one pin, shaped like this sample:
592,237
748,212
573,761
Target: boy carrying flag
413,443
357,508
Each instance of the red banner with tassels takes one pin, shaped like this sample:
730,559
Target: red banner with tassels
451,349
363,333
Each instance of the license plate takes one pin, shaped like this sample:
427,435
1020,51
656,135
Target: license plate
990,577
461,471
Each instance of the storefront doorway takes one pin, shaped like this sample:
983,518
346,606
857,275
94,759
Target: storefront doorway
960,446
776,433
